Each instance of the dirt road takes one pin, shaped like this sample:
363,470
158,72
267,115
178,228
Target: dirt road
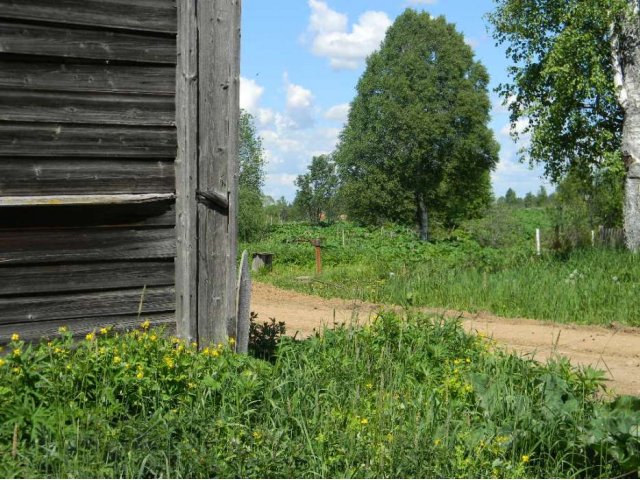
615,350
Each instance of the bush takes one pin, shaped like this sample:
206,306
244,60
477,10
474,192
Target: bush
265,337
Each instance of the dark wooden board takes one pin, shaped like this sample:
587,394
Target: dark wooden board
34,331
80,305
28,39
39,279
20,247
85,176
88,78
154,15
56,140
160,214
95,108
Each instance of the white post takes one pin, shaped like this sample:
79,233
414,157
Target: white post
343,236
593,238
538,250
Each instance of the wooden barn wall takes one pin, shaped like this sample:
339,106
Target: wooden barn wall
87,107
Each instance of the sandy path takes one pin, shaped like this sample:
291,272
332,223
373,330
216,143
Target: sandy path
617,351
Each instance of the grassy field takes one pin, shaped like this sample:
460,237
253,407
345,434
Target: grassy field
404,397
468,269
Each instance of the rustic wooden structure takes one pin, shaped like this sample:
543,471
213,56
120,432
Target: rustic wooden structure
89,180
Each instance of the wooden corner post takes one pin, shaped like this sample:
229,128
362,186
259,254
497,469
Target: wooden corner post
207,111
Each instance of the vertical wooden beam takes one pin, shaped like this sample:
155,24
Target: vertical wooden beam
187,171
206,180
234,162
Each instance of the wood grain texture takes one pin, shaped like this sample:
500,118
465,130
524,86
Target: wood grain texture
89,199
243,305
159,80
85,176
39,279
57,140
97,108
33,331
187,172
155,214
19,247
26,39
80,305
155,15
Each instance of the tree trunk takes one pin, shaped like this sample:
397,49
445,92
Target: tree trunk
422,216
626,55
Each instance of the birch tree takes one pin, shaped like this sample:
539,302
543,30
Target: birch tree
575,87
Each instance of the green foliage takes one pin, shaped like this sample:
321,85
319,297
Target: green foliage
402,398
562,79
317,190
251,215
488,265
417,136
265,337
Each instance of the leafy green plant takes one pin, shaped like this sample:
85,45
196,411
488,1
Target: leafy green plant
264,337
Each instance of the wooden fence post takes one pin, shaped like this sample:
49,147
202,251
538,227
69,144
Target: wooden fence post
243,305
538,248
206,168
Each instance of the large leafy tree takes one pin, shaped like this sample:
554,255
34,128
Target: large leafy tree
417,134
575,81
251,215
317,189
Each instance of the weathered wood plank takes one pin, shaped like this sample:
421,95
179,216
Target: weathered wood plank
155,214
85,176
243,305
215,70
75,245
157,80
28,39
80,305
58,200
34,331
155,15
55,140
39,279
187,172
98,108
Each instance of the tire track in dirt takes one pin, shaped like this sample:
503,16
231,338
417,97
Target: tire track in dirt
614,350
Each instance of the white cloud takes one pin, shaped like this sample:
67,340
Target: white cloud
520,129
338,113
299,104
472,42
250,94
332,39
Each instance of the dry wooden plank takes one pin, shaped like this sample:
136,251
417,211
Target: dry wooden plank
243,305
159,80
34,331
215,75
155,214
26,39
151,15
79,245
87,199
39,279
98,108
80,305
85,176
187,172
55,140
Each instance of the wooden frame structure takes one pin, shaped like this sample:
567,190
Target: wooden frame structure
100,221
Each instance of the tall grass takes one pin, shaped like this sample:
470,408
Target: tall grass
404,397
593,286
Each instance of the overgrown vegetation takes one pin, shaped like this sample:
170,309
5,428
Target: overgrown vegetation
487,264
407,398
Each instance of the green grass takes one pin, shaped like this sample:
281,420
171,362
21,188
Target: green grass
403,397
591,286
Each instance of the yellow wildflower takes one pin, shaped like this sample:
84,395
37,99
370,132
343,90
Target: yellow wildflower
16,370
63,329
364,421
104,331
525,458
117,359
140,375
168,361
49,344
468,360
175,340
257,435
58,351
437,442
15,337
206,351
2,362
145,325
194,344
369,385
191,385
215,353
232,341
90,336
17,352
68,366
153,338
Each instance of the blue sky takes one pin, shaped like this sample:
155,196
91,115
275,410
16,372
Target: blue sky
301,60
